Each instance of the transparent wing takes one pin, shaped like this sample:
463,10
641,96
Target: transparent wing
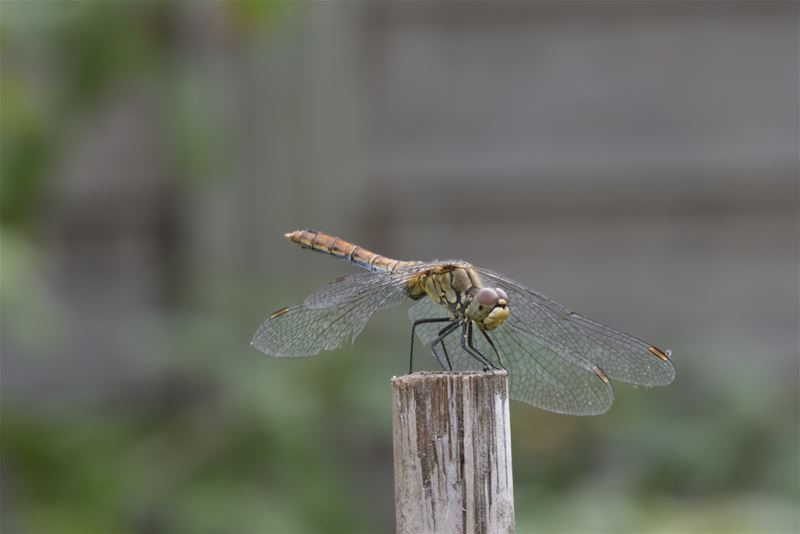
337,312
541,377
537,374
343,289
622,356
347,287
582,341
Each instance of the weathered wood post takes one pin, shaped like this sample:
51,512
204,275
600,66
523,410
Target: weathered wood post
452,453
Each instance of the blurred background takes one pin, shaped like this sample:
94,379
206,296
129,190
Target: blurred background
638,162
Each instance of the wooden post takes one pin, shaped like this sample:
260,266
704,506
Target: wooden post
452,453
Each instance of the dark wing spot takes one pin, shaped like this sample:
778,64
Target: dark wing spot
600,374
277,313
658,352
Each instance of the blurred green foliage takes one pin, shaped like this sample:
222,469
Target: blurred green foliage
85,47
60,60
25,154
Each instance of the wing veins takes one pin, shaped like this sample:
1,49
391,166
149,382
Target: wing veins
355,303
544,367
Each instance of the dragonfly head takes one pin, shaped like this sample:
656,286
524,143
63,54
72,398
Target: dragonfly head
489,308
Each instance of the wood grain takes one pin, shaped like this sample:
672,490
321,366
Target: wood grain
452,453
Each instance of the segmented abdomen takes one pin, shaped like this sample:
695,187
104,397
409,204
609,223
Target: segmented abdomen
339,248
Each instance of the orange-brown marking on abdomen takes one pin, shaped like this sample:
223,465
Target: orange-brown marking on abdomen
339,248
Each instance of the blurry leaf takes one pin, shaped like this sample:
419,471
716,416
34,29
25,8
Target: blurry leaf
252,16
31,316
109,41
26,151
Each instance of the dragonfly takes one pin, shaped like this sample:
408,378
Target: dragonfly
471,319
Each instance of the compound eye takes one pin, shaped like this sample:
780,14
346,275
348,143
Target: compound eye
487,296
502,294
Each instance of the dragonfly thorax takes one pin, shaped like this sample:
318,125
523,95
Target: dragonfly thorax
458,288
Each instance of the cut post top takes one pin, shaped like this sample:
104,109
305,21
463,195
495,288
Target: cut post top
427,375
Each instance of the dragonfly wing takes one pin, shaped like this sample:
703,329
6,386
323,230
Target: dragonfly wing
542,377
543,319
325,323
345,288
624,357
582,341
538,375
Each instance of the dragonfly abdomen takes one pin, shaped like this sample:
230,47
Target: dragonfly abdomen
339,248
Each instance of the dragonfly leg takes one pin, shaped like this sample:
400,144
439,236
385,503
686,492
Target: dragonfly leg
443,333
466,344
444,348
491,344
413,328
